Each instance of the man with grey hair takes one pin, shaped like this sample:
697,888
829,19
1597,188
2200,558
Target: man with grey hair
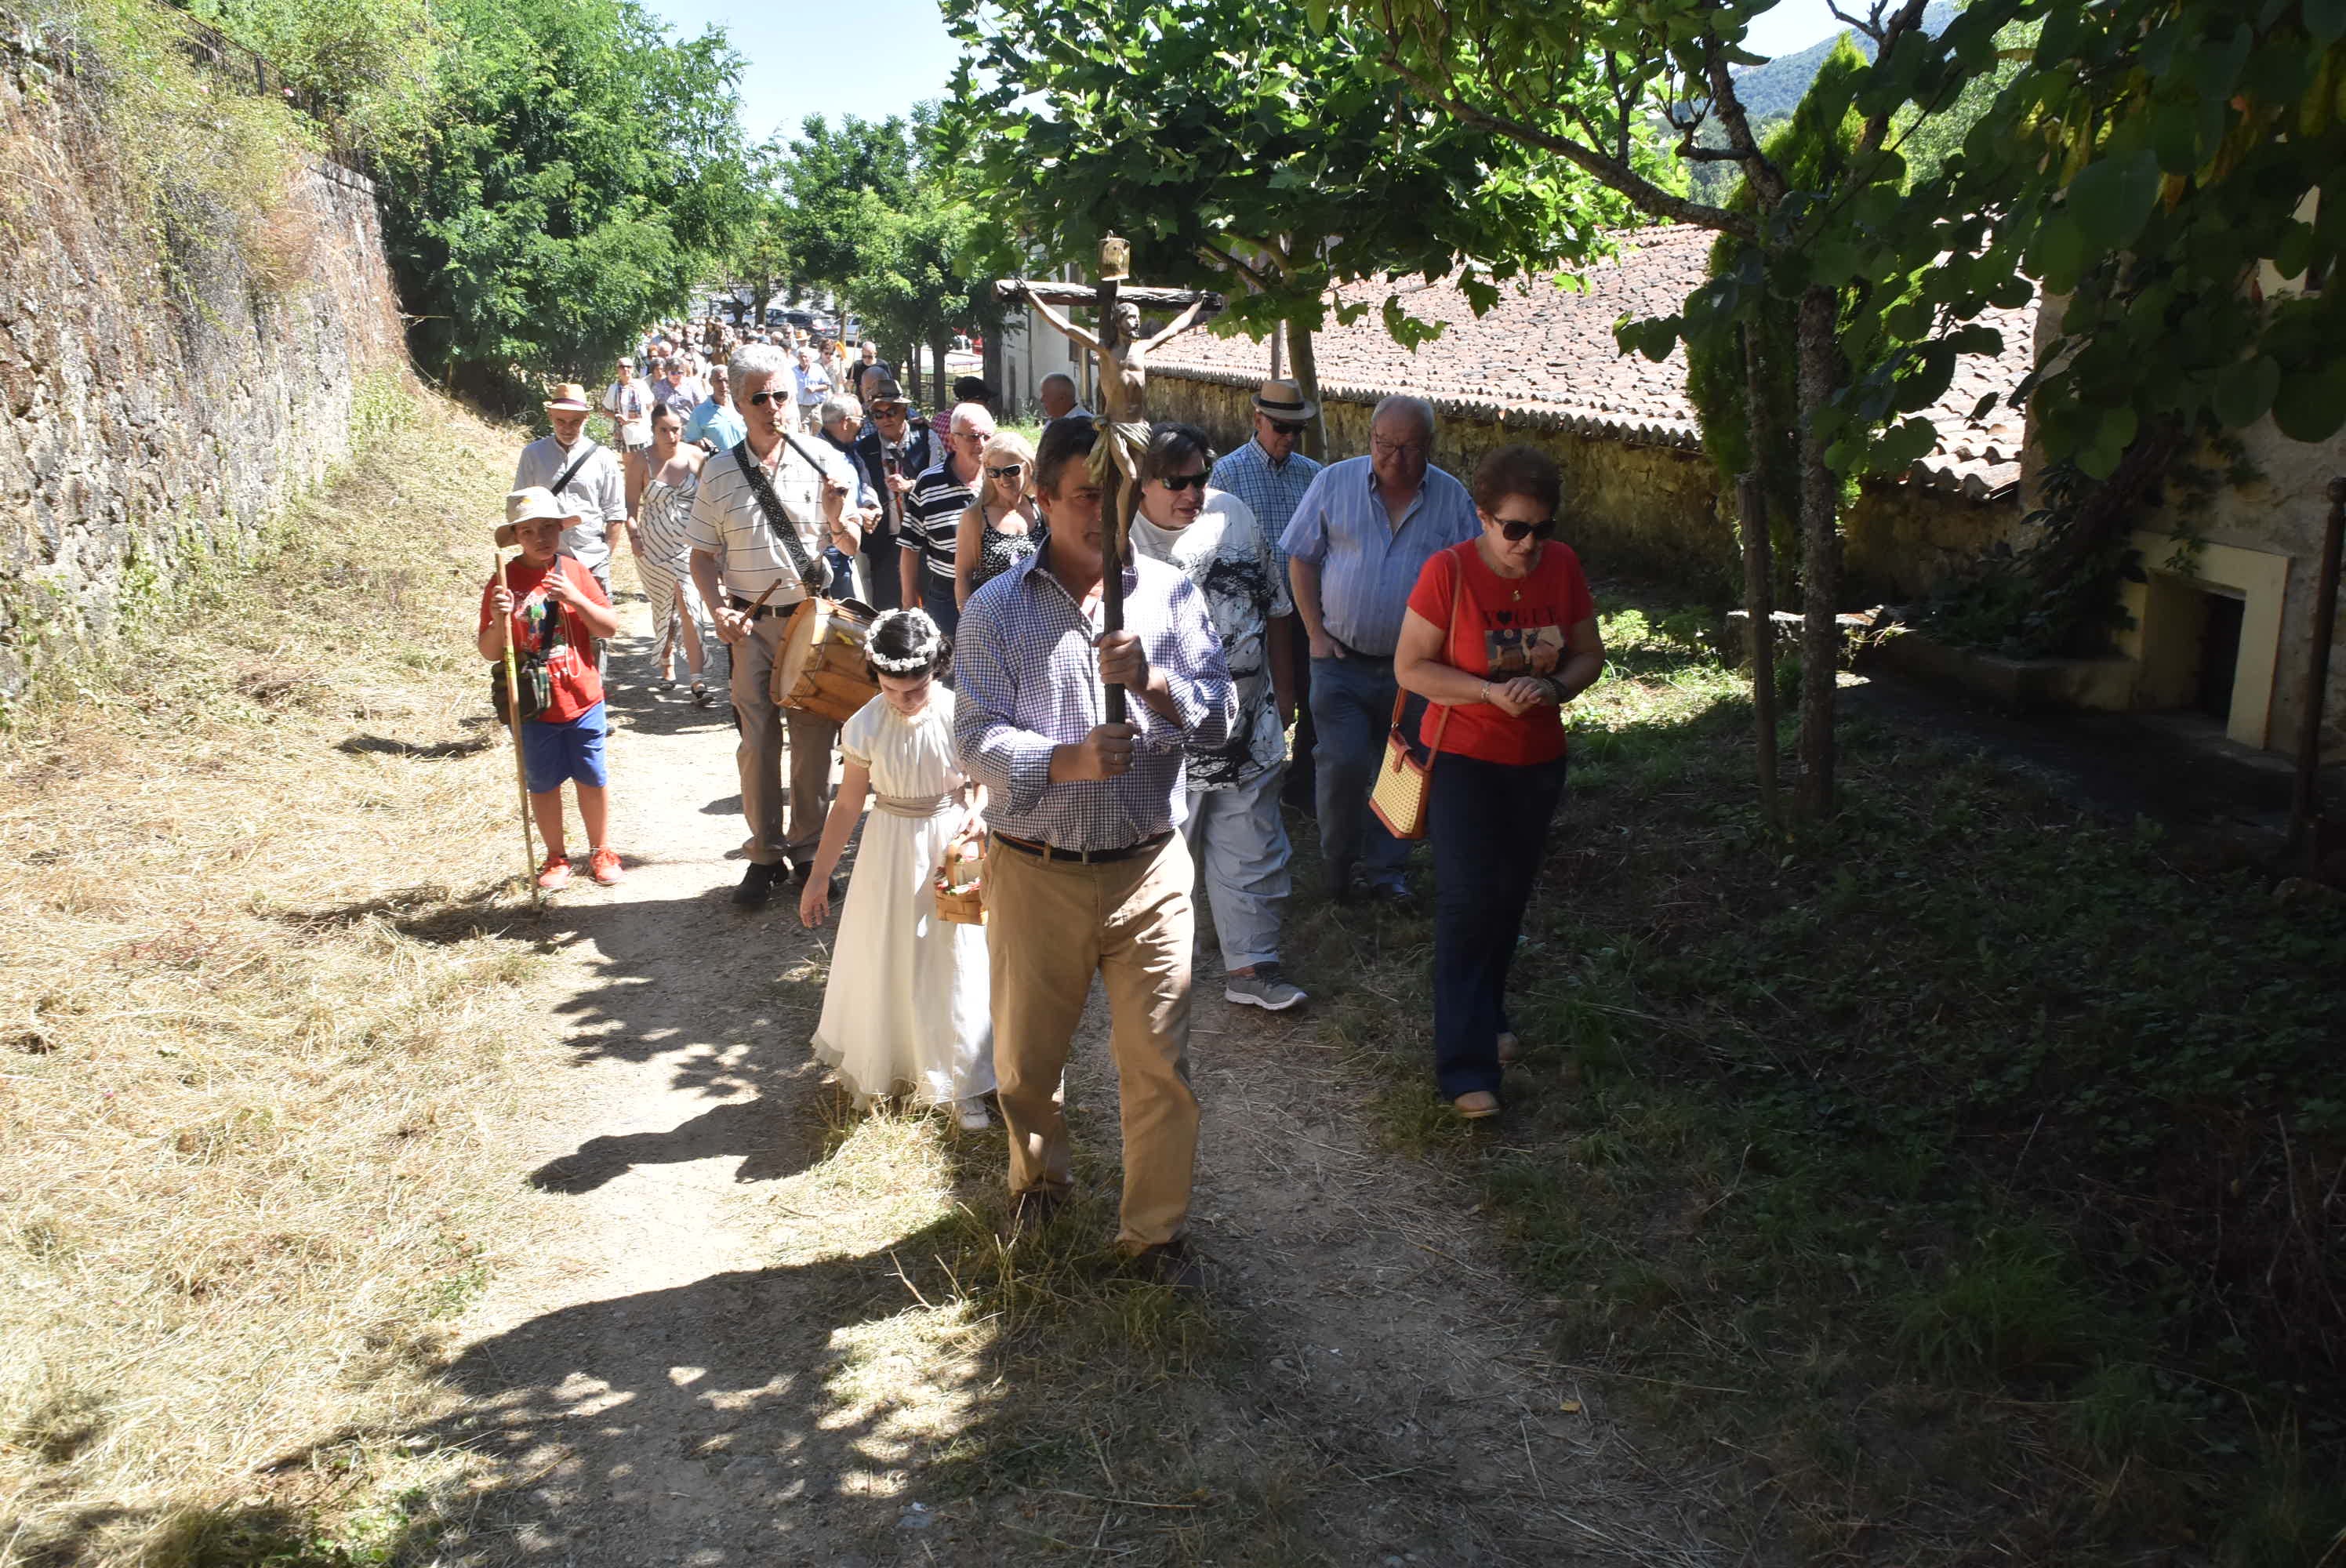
1360,533
1056,393
842,420
932,510
747,496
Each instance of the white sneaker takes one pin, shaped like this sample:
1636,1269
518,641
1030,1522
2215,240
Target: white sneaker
1264,989
971,1114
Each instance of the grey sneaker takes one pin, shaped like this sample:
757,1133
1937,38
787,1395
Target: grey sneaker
1264,989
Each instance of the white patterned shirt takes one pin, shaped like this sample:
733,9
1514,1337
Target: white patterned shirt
728,523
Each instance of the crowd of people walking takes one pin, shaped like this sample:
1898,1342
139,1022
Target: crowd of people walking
1414,633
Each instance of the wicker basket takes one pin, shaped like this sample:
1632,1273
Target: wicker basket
965,904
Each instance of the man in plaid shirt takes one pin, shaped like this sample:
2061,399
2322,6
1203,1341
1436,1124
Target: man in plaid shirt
1084,873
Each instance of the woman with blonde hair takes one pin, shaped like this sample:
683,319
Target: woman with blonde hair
1000,528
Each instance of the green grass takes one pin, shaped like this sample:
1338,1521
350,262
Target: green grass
1970,1167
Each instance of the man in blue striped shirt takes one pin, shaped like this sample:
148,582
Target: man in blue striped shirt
1271,476
1084,873
1360,536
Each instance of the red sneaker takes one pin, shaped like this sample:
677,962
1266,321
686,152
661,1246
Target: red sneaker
603,865
554,875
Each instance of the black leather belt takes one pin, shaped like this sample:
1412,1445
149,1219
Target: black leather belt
762,611
1048,852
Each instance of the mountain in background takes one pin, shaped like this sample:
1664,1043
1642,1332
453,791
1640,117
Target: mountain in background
1771,92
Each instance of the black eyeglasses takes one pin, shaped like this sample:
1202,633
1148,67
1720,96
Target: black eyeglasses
1178,483
1514,532
1011,471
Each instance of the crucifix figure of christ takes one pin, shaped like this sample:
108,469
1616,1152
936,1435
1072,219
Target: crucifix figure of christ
1123,419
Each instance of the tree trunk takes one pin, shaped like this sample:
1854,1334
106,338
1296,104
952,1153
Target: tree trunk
1758,582
913,376
1820,560
944,382
1307,379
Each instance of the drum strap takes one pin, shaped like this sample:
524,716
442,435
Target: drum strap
815,574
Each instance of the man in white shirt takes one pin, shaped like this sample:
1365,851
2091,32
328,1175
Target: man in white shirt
630,407
813,384
737,553
1056,393
583,472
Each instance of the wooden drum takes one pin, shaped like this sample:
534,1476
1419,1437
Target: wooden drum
821,669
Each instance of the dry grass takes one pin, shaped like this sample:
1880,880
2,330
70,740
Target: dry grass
251,1047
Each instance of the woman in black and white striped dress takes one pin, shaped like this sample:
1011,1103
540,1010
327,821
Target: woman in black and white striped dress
665,477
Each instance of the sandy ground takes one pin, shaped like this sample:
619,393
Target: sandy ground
714,1360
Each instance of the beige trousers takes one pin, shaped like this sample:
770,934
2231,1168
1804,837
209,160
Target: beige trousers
1050,927
760,755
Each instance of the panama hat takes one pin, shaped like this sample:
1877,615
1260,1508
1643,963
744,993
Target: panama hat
1285,402
569,396
532,503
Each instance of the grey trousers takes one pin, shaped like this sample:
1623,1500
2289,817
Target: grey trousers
760,755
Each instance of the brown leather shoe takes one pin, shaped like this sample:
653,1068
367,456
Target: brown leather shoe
1033,1209
1170,1264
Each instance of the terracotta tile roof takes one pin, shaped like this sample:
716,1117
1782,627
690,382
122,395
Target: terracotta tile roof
1543,357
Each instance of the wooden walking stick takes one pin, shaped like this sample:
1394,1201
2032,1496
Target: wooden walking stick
521,767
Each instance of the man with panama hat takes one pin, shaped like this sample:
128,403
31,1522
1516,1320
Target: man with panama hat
583,475
551,607
1271,476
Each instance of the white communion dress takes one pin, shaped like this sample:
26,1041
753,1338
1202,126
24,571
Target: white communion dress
906,1010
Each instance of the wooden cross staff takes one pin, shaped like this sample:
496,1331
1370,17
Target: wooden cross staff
1122,355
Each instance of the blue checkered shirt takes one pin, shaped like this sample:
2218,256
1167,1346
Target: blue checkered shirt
1270,490
1367,566
1027,679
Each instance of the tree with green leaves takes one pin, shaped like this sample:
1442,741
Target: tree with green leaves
585,171
1251,146
2148,157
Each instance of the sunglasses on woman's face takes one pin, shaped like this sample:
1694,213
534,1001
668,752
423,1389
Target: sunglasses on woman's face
1012,472
1514,532
1178,483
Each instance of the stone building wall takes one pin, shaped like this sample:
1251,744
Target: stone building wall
1644,508
159,405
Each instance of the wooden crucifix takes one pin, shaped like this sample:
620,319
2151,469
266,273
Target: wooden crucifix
1123,417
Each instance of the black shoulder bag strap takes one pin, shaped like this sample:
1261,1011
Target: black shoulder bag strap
571,472
815,574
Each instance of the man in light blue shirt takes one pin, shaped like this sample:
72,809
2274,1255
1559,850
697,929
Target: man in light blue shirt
1361,534
715,422
1271,476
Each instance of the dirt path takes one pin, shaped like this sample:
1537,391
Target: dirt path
743,1342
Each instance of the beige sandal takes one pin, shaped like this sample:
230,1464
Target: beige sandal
1511,1049
1475,1105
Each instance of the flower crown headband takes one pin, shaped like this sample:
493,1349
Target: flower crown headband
928,641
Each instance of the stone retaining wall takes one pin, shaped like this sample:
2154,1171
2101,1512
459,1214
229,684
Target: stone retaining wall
159,407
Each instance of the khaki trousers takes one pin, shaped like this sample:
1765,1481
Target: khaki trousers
760,755
1050,927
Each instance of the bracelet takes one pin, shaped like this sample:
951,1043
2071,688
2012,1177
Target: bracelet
1484,694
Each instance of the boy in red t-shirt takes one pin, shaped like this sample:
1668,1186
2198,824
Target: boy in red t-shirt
552,608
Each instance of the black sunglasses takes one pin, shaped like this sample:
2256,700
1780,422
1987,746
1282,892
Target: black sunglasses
1178,483
1281,427
1514,532
1012,472
760,400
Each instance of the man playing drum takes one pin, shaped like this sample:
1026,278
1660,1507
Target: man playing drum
738,557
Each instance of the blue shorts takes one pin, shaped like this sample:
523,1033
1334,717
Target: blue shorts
573,749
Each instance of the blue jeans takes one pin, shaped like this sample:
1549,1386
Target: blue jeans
937,598
1489,824
1240,840
1351,709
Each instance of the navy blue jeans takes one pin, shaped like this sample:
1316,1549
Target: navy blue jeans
1351,709
1489,824
937,598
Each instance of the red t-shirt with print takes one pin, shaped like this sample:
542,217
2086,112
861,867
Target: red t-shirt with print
576,684
1506,627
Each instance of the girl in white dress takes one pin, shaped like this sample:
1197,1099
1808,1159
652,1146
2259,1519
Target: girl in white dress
907,1010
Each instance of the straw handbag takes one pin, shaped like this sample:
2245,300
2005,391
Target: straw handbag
1403,792
960,883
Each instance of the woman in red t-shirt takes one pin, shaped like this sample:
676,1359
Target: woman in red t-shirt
1500,634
